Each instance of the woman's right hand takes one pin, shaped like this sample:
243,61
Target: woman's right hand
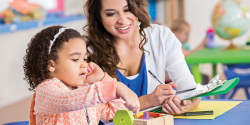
161,93
131,99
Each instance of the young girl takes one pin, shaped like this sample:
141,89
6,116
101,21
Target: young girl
181,30
68,90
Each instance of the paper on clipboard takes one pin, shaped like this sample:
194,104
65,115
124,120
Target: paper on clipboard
221,87
202,89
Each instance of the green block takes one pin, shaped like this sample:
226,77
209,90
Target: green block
123,117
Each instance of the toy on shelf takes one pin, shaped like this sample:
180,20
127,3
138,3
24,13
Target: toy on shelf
22,11
210,38
125,117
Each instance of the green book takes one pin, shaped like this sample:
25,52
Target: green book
223,89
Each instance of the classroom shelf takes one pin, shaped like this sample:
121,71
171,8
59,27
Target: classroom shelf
51,19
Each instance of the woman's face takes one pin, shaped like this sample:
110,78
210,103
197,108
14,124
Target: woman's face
117,18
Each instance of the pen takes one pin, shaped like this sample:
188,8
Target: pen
197,113
183,91
154,76
178,92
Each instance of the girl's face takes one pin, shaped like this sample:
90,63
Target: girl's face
183,35
71,66
117,18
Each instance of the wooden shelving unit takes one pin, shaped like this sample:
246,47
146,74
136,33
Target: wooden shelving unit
174,9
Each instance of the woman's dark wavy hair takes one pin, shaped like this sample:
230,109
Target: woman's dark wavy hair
36,60
100,41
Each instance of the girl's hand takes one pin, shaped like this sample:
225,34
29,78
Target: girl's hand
132,101
161,93
95,73
173,105
203,43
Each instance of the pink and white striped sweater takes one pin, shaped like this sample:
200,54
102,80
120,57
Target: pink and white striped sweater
54,103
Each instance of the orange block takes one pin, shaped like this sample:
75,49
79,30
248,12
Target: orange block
155,115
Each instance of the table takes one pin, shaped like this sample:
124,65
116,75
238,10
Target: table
239,115
215,56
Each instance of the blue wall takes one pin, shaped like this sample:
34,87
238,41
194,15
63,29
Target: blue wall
152,9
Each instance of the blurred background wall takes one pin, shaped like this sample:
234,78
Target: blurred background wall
198,14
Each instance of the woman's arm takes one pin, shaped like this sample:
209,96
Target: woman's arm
180,74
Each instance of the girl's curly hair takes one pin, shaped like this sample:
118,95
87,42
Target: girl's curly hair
100,40
36,60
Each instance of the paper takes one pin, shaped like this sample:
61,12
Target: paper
226,87
219,108
202,89
211,90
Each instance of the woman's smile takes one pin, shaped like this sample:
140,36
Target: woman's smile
117,19
125,29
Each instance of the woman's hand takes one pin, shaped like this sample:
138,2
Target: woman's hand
95,73
174,105
131,99
161,93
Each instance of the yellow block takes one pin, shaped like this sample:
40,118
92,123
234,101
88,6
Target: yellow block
140,114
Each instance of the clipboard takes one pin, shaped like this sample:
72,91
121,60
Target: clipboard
223,89
214,87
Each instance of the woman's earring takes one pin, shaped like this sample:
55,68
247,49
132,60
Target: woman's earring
51,69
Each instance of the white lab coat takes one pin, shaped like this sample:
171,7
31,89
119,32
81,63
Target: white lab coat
164,53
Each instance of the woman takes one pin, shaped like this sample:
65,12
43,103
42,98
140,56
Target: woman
125,45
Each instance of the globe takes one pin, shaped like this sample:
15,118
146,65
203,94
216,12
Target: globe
230,19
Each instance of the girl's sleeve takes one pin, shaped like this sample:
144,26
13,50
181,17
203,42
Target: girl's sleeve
53,98
108,110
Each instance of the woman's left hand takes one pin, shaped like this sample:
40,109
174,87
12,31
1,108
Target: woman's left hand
174,105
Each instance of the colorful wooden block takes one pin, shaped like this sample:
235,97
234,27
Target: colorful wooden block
162,120
124,117
146,116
